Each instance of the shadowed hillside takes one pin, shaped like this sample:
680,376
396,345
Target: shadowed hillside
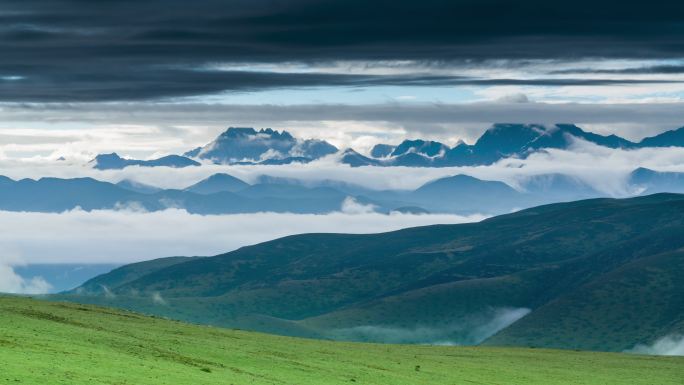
557,275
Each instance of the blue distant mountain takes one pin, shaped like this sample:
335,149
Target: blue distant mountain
245,145
138,187
673,138
504,141
648,181
281,161
427,148
345,187
211,196
58,195
63,277
382,150
218,183
354,159
225,194
114,162
411,159
558,188
460,192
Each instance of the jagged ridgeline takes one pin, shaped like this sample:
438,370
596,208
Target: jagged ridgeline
600,274
458,194
270,147
225,194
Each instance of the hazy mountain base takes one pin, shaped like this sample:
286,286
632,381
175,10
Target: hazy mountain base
672,345
225,194
472,330
215,195
56,343
598,274
61,277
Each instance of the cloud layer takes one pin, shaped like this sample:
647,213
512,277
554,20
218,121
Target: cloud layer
605,169
128,236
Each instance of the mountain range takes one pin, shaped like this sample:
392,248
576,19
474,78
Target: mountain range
240,145
505,141
246,145
114,162
599,274
225,194
58,195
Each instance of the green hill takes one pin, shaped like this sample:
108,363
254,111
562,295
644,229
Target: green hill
635,301
597,274
128,273
56,343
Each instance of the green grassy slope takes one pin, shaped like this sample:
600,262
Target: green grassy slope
56,343
440,278
129,273
632,303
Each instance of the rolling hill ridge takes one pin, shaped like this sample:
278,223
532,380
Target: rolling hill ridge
577,266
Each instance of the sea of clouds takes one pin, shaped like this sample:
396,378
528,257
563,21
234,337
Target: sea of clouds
127,235
605,169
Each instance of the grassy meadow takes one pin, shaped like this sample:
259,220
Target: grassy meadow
58,343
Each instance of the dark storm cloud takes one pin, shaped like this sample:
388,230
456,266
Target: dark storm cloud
124,50
647,70
159,83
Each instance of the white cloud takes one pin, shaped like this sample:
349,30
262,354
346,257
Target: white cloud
672,345
606,94
128,236
351,206
11,282
158,299
603,168
470,330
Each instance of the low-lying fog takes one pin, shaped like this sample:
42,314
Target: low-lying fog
125,236
605,169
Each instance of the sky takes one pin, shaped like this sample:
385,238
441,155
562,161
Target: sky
151,77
